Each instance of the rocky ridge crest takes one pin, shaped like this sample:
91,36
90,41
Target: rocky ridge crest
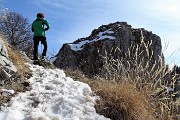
112,40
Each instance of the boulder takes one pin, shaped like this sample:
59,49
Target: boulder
7,67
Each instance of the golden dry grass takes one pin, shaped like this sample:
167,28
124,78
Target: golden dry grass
122,101
155,77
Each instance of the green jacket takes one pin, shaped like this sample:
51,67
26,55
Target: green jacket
38,27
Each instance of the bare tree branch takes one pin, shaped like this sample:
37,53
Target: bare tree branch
17,30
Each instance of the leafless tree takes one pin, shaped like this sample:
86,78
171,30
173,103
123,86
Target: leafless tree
17,30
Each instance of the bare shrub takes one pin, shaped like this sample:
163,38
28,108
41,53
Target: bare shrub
17,31
146,75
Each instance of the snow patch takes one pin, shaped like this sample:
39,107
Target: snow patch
53,97
100,36
9,91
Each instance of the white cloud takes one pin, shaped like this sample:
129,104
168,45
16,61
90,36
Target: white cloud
54,4
168,9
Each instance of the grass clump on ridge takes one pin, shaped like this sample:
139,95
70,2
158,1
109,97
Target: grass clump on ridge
154,80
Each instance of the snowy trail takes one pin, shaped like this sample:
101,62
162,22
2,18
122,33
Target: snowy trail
53,97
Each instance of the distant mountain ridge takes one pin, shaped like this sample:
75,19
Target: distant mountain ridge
86,53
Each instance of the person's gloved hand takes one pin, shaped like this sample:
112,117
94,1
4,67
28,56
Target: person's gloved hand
46,29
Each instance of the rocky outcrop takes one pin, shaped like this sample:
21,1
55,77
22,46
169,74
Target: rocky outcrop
7,67
11,79
114,40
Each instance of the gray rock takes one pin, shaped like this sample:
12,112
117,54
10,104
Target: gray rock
113,40
7,67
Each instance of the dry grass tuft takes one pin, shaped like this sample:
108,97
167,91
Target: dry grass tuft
138,68
19,61
122,101
76,75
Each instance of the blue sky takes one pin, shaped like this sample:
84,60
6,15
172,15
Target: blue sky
73,19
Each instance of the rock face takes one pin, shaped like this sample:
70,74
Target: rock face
113,40
7,67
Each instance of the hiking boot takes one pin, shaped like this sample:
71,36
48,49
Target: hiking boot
36,62
43,58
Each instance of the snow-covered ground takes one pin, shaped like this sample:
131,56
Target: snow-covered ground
53,97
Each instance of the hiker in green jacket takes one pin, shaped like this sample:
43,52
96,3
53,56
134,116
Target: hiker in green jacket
38,27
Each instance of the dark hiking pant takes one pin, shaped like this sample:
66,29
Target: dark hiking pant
37,39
